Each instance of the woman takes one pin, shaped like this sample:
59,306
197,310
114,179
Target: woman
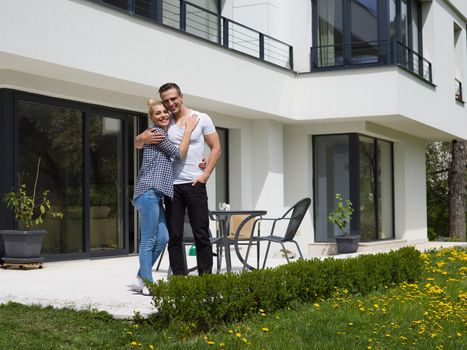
155,179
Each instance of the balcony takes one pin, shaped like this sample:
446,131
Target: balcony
210,26
372,53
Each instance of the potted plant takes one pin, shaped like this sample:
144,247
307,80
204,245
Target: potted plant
340,217
24,246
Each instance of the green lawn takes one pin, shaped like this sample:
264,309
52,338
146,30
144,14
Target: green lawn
431,314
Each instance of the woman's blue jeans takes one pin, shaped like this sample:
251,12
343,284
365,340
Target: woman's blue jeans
153,228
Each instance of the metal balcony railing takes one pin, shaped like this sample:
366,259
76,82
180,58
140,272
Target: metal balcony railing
368,53
458,90
205,24
409,59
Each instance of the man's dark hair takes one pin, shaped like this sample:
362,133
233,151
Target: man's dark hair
169,86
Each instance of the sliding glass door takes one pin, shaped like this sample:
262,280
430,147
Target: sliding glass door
53,136
105,182
359,168
86,161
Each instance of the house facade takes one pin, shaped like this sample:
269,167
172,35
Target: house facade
310,97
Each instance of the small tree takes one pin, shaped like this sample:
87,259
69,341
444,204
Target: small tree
342,215
26,208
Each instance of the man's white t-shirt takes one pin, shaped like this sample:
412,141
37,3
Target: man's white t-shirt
187,169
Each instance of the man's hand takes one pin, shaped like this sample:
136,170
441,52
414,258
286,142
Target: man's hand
203,178
149,136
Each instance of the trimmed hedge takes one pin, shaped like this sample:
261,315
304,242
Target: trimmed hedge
194,304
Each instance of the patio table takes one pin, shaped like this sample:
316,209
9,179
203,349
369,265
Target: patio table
223,217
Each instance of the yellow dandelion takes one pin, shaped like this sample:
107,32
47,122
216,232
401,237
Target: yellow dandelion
350,323
221,345
230,331
261,310
151,346
133,344
265,329
210,342
459,334
129,333
238,335
376,306
263,314
316,305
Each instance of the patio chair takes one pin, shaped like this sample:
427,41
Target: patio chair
295,216
245,236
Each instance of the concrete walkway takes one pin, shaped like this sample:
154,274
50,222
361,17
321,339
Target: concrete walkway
100,284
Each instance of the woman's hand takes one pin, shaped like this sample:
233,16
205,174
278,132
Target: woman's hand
191,122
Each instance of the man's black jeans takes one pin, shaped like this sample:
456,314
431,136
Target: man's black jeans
195,199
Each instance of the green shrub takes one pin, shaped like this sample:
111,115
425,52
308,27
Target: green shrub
193,304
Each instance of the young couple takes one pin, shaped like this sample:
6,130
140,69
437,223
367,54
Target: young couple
170,171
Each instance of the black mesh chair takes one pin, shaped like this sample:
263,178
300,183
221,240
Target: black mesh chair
295,216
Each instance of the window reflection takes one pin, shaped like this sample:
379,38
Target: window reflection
56,136
367,165
364,28
331,176
330,33
106,182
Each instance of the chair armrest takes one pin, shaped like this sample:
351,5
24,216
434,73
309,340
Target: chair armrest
275,220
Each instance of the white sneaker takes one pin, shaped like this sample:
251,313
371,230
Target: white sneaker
145,291
137,285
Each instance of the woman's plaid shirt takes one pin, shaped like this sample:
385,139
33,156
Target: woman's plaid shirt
156,169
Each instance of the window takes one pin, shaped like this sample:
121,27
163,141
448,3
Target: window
359,168
346,32
368,32
85,155
330,36
55,135
459,73
331,176
364,31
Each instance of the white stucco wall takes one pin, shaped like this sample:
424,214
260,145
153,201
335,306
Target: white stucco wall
410,189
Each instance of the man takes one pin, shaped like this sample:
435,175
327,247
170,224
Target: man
189,180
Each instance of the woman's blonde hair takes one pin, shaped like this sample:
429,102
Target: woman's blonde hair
151,103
